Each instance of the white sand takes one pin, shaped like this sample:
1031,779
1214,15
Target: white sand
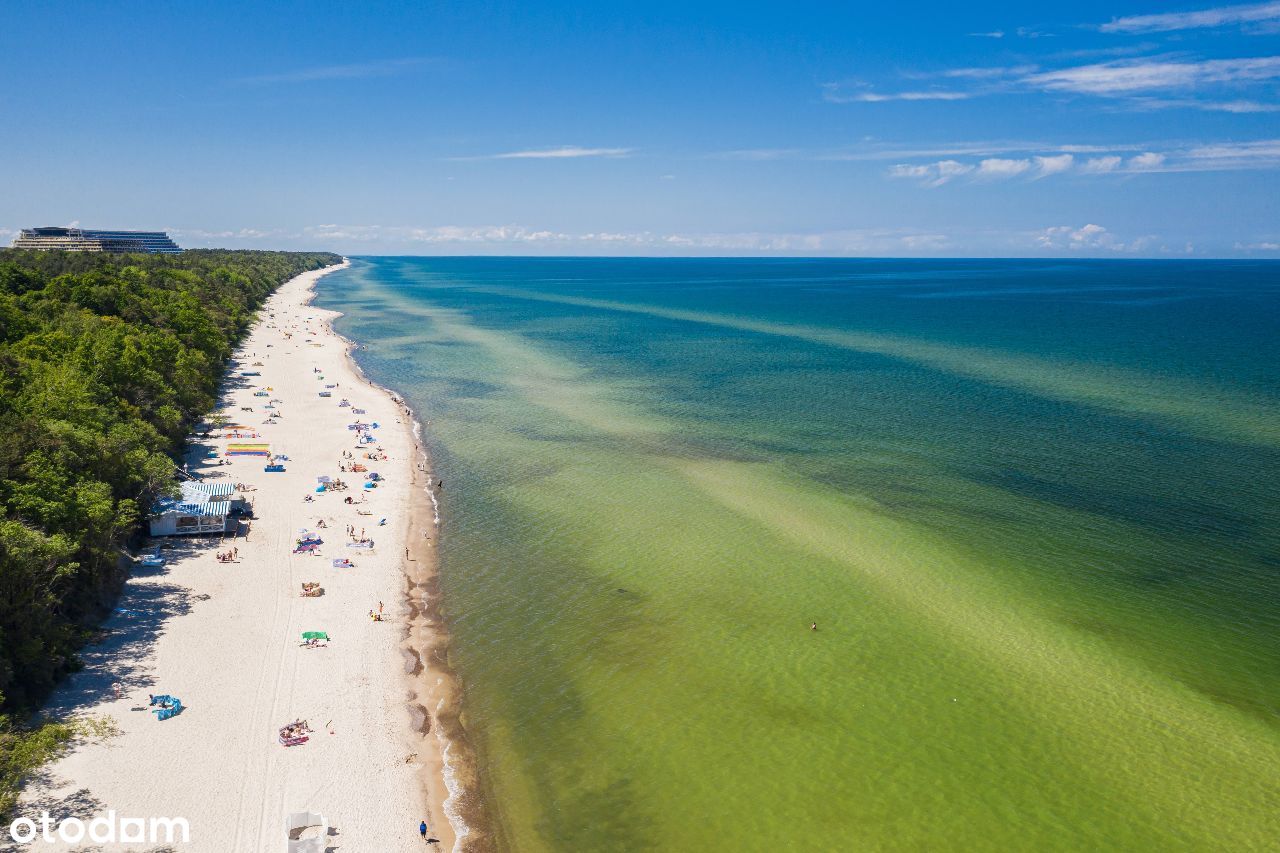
224,638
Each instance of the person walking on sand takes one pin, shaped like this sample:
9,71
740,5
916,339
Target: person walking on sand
422,830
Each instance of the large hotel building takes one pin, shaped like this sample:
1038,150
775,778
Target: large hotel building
85,240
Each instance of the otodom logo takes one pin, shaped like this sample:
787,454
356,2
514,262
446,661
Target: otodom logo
103,829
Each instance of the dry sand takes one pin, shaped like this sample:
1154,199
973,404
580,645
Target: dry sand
224,637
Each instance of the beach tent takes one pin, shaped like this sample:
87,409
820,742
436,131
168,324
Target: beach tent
245,449
316,829
315,635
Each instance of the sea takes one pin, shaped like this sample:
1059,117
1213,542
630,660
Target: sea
809,554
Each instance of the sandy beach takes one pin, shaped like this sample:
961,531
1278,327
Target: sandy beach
225,637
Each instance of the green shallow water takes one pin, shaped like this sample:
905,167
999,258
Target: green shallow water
1032,507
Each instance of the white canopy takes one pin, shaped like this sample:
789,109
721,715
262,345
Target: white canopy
315,841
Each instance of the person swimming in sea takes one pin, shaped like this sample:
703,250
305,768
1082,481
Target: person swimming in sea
813,626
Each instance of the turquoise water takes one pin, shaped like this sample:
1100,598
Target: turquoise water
1032,506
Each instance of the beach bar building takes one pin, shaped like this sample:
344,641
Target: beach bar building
202,508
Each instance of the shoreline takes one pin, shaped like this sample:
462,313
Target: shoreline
434,695
223,636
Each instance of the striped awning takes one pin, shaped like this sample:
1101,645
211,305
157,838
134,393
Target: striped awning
210,489
213,509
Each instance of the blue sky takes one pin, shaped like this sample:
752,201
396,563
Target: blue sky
1085,129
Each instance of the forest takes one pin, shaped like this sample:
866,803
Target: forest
106,363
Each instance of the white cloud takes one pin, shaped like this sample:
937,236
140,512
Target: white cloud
989,72
902,170
1092,239
1129,77
994,34
1101,165
1237,106
1054,165
564,152
1000,167
1240,107
1263,154
1259,154
1147,83
1146,160
832,93
931,174
354,71
1264,246
520,238
1221,16
1258,149
1087,237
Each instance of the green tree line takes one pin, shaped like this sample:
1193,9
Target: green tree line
106,362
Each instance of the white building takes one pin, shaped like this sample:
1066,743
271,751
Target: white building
203,508
89,240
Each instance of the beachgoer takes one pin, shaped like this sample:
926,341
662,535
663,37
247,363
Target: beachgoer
422,830
813,626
